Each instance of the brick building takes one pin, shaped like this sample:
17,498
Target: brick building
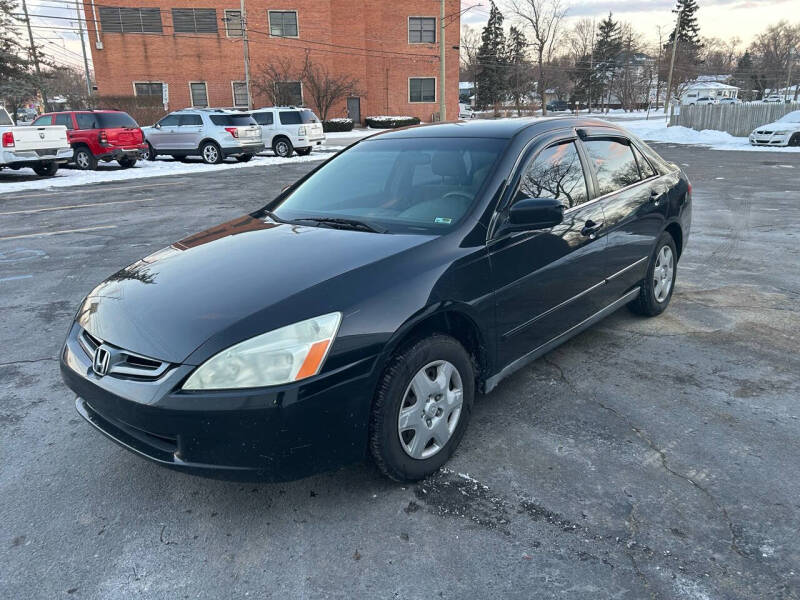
190,52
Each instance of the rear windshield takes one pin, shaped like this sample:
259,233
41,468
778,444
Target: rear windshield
114,119
296,117
233,120
4,118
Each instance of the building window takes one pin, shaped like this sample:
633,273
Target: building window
114,19
421,30
288,93
233,23
199,92
283,23
148,88
194,20
422,89
239,93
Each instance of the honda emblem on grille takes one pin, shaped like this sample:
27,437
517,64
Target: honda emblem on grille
41,134
102,358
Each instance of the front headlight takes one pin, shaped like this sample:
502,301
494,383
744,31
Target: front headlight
287,354
780,132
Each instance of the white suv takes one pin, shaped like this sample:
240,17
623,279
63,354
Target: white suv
210,133
287,129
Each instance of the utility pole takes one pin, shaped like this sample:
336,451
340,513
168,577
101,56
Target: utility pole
246,50
83,48
35,57
672,61
442,72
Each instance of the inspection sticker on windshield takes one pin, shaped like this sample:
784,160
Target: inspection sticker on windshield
443,220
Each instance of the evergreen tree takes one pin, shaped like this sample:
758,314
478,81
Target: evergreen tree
688,30
519,74
13,65
607,48
492,61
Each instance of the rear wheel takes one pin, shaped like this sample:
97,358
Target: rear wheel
84,159
127,163
244,157
211,153
303,151
47,169
421,408
659,282
282,147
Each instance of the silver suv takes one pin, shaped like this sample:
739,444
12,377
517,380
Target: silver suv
288,129
212,134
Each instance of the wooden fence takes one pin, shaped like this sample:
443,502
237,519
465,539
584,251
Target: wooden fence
736,119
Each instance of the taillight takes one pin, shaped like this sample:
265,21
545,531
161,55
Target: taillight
103,137
234,131
8,139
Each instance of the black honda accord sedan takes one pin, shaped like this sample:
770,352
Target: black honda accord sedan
360,311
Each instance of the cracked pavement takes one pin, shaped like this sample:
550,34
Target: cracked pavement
646,458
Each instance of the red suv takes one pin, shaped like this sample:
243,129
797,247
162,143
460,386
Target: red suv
99,135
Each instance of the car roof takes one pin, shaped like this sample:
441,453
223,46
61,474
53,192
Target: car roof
498,128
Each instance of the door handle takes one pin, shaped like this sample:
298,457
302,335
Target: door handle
656,195
590,229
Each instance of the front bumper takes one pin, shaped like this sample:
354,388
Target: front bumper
125,152
769,140
270,434
31,158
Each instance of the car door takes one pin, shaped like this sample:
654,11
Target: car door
162,135
634,200
190,131
266,121
547,281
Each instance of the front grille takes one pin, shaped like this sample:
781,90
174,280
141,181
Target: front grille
123,363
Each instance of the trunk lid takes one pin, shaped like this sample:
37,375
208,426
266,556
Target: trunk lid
40,138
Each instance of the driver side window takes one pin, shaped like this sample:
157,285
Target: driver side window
169,121
557,173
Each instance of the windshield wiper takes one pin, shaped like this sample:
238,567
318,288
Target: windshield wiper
344,223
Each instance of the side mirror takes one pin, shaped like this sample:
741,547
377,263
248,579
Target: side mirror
528,214
157,126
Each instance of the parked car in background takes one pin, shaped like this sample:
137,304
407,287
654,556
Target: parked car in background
288,129
703,100
25,116
362,308
783,132
210,133
774,99
465,111
41,148
729,101
99,135
557,106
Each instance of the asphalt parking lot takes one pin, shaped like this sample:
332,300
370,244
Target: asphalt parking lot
643,459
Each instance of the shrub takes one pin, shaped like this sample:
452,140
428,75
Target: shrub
383,122
337,125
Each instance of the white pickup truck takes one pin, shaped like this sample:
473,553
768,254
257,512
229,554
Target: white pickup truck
40,148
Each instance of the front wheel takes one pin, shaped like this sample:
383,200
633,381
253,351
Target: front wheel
47,169
244,158
659,282
148,153
421,408
794,140
211,153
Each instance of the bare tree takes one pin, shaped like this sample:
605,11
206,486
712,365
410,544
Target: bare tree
270,80
325,89
543,18
469,46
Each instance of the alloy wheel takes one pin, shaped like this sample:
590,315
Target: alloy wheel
82,159
210,153
282,149
430,409
662,274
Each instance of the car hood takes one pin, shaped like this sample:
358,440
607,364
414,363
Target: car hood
779,126
167,304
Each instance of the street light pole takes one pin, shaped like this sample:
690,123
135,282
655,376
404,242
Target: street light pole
83,48
246,50
442,71
672,61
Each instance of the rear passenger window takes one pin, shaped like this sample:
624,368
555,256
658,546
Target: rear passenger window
614,164
263,118
645,168
555,173
86,121
65,120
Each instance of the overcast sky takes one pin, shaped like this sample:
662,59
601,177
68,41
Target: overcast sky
717,18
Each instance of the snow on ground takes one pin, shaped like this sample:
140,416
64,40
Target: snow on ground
24,179
351,135
656,130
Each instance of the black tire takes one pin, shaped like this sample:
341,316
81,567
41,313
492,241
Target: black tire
84,159
303,151
180,158
384,433
282,147
149,153
211,153
647,303
795,140
244,157
126,163
47,169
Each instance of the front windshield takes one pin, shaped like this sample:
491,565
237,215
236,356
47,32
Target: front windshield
792,117
414,185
